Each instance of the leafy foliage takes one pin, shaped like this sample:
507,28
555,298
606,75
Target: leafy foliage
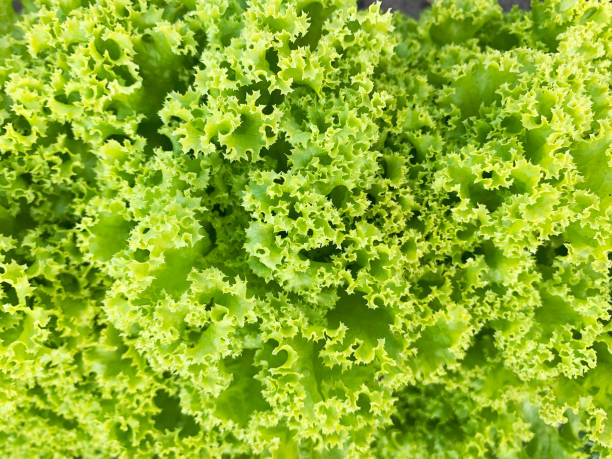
295,229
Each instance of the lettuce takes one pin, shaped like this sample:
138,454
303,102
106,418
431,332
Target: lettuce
296,229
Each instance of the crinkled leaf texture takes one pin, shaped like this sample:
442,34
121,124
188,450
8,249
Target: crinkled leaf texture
294,229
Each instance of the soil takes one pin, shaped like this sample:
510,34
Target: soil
414,7
411,7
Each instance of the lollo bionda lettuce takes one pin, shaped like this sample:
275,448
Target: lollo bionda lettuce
293,229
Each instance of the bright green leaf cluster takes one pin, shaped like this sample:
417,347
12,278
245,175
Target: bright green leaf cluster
289,228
